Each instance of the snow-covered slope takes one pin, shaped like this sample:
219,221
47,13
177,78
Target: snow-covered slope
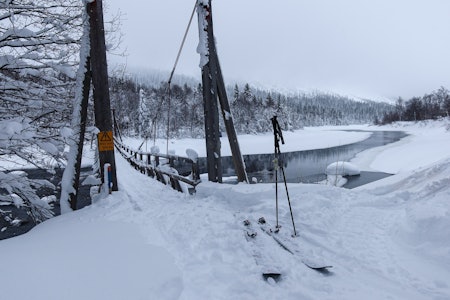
387,240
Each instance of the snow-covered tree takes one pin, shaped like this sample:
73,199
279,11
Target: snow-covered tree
38,52
400,107
39,44
252,116
144,115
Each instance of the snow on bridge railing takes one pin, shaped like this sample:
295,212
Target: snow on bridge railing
165,168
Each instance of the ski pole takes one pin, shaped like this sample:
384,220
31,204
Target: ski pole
289,201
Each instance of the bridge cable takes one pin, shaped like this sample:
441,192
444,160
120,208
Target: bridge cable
173,71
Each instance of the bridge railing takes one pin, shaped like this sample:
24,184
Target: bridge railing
168,169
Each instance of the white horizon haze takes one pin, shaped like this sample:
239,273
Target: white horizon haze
383,49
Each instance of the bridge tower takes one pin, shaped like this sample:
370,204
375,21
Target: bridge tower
213,90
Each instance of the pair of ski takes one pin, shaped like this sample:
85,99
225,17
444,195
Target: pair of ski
287,243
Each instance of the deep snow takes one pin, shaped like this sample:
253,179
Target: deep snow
386,240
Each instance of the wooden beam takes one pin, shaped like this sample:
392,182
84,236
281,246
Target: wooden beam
80,141
211,113
238,160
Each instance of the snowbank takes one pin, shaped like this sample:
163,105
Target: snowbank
385,240
337,171
342,168
84,255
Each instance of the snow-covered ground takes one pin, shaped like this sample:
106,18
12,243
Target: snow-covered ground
307,139
386,240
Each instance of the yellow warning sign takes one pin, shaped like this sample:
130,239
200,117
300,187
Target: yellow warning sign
105,141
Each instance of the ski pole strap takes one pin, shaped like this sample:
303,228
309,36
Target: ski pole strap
276,164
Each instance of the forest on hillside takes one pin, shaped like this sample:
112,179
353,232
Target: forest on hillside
142,109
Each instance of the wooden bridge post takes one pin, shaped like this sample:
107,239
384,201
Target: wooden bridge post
214,88
195,171
211,113
102,105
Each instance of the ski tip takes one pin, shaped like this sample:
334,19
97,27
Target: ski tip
321,269
272,276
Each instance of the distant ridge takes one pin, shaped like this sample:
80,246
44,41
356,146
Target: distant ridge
154,77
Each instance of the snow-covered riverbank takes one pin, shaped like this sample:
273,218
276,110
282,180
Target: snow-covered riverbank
386,240
306,139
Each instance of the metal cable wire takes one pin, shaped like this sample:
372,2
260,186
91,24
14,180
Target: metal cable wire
173,71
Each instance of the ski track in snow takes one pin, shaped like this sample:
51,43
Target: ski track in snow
353,231
210,234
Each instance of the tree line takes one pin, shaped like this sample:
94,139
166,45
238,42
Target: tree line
143,109
429,107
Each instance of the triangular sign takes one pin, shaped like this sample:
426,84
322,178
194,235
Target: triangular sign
105,137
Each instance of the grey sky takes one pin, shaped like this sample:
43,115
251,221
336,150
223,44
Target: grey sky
383,48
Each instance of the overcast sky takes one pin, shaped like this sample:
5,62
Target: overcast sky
367,48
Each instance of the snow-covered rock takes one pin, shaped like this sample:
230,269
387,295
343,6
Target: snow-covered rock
343,168
192,154
336,180
91,180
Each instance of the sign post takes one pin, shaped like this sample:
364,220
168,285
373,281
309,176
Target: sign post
102,103
106,143
107,178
